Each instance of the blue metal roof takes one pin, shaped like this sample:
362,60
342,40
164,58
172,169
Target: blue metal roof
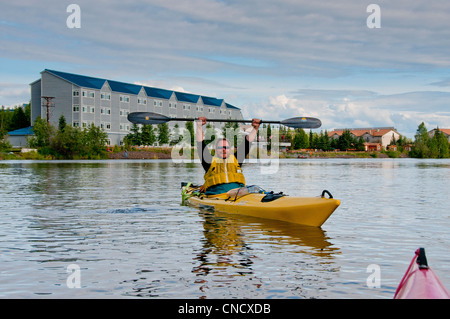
161,93
128,88
212,101
231,106
187,97
124,87
80,80
22,131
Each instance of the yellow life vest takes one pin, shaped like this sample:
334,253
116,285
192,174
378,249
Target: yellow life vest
224,171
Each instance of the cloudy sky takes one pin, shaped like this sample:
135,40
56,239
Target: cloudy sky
274,59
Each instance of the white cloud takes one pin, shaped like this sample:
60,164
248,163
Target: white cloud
363,109
14,94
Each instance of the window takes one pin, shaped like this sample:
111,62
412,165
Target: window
105,96
142,101
84,109
76,93
157,103
186,107
105,126
91,94
124,127
124,112
124,98
172,105
83,93
105,111
76,108
92,109
76,124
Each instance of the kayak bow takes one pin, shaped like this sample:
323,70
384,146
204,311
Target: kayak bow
310,211
420,282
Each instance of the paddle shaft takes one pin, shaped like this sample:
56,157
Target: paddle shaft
222,120
155,118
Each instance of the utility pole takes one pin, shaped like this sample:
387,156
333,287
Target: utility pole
48,104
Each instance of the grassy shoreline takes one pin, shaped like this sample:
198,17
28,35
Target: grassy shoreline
165,153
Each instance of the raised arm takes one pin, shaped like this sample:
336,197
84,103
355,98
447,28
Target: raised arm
255,123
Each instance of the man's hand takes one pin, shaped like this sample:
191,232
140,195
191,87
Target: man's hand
201,120
256,123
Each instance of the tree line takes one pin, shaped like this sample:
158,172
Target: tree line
430,147
68,142
299,139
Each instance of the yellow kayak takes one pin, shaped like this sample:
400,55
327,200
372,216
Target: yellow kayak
251,201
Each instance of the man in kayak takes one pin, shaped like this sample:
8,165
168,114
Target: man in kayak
223,171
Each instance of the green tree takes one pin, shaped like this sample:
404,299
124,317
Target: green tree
135,137
148,136
175,136
324,141
422,142
163,133
19,119
359,144
42,133
442,144
62,123
346,141
68,142
95,142
190,127
300,140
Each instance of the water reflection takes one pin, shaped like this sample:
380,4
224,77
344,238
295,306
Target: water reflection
228,247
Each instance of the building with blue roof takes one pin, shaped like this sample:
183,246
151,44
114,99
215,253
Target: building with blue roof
86,100
19,138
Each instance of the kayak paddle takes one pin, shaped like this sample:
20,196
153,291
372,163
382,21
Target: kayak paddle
156,118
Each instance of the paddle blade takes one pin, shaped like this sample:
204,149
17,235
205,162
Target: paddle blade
147,118
302,122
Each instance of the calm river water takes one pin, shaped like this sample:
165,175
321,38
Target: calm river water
120,226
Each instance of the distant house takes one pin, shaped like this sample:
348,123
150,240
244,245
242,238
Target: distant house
18,138
392,148
446,132
408,147
371,136
371,147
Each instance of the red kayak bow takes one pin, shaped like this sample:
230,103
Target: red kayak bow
420,282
